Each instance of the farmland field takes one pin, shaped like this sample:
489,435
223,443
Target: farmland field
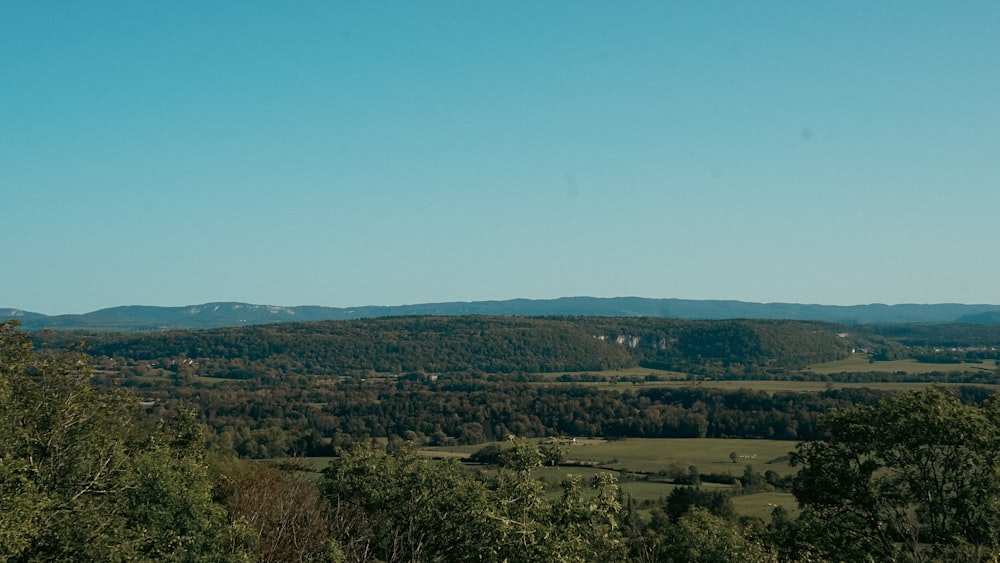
860,363
762,504
653,454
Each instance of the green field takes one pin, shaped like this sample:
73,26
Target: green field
649,455
653,454
761,505
860,363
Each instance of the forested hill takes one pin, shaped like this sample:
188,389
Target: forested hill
213,315
485,344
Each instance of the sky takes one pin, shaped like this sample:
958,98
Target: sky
387,153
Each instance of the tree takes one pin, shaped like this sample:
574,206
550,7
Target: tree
699,536
583,525
752,482
554,450
283,513
914,477
488,454
402,507
682,499
82,479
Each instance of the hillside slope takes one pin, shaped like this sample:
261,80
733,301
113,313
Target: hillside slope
483,344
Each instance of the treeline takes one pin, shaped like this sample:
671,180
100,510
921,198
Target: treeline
940,343
940,335
484,344
299,416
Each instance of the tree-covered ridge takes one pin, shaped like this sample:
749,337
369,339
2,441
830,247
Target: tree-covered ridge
946,334
485,344
741,344
406,344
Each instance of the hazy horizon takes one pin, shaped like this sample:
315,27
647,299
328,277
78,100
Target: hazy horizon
287,305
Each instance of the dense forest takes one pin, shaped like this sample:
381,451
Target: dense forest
486,344
297,417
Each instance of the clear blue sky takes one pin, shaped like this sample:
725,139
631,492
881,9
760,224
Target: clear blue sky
384,153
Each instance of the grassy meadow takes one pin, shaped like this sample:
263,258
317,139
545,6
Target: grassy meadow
860,363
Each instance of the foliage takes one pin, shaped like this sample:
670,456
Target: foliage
488,454
314,416
80,479
281,512
468,380
494,345
698,536
701,537
402,507
392,345
913,478
683,499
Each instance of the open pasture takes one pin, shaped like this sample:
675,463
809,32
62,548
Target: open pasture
860,363
761,505
649,455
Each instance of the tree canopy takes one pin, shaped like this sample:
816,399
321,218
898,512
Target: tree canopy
915,477
82,479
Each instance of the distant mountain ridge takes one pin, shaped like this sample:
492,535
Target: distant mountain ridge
226,314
